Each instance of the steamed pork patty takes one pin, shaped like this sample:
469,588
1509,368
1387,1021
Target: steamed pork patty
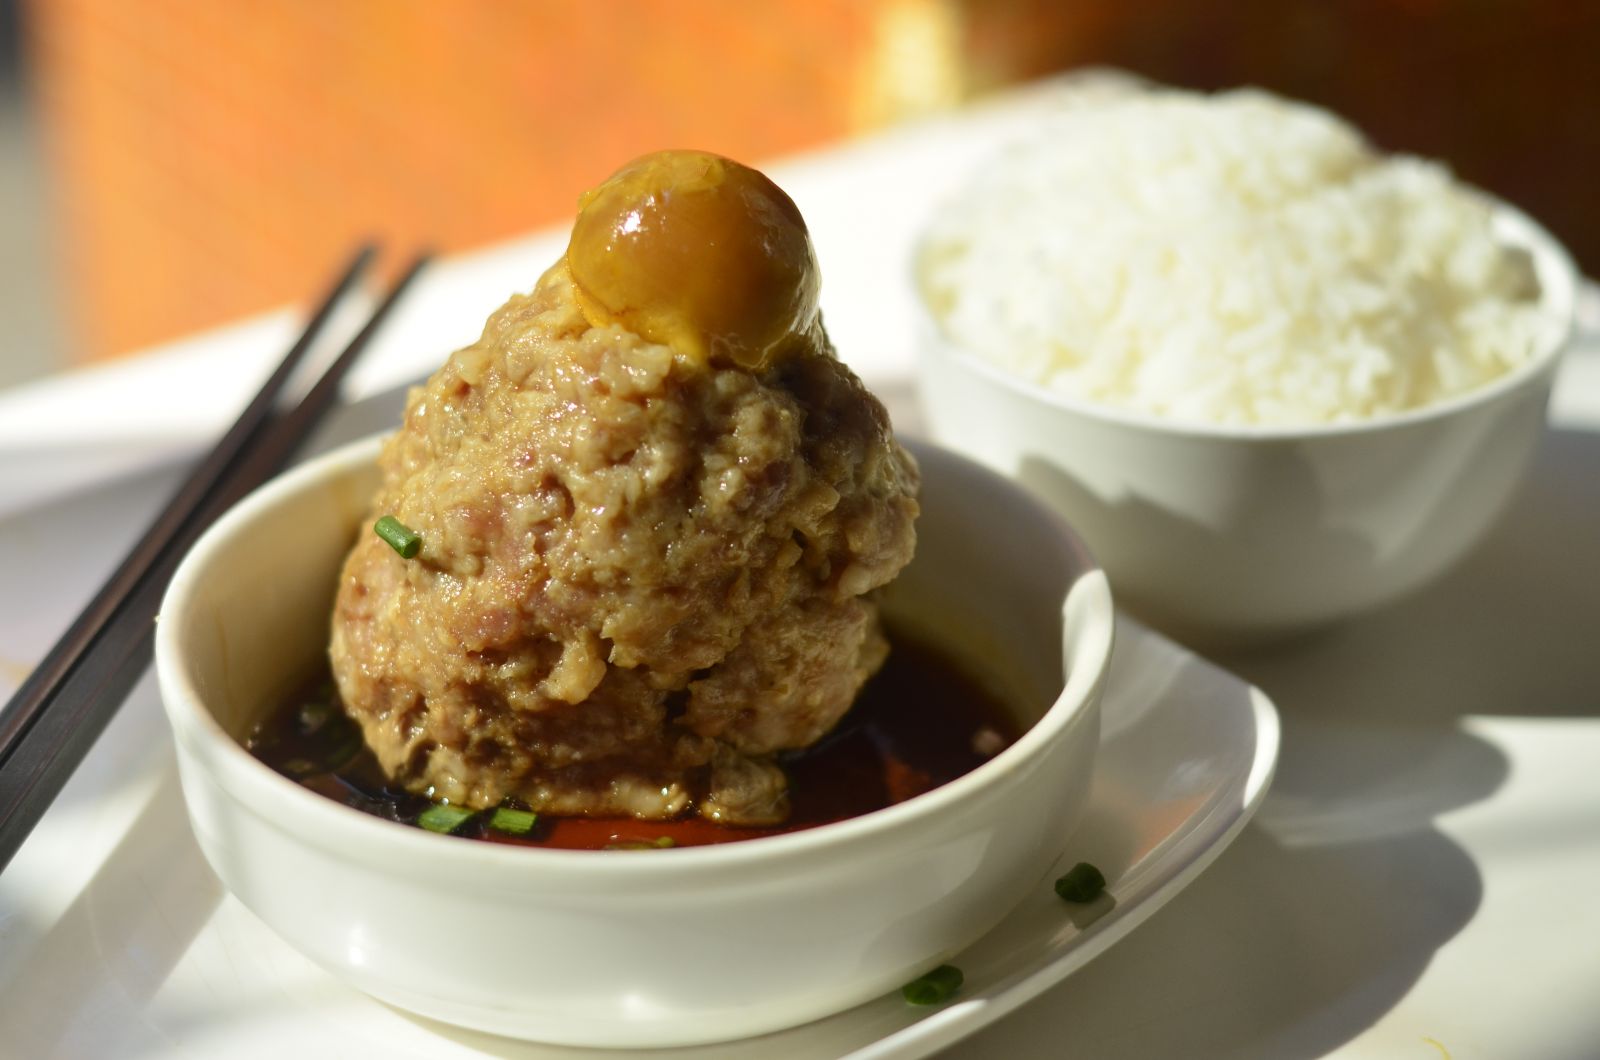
650,522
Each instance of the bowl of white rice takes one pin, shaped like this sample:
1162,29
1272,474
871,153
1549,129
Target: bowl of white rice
1273,376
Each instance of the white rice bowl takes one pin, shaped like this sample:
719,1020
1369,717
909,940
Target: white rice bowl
1233,259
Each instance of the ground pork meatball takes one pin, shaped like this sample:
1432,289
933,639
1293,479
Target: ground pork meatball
646,558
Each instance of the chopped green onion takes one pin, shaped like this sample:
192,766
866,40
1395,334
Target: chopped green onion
399,536
659,843
443,818
1084,883
513,821
937,986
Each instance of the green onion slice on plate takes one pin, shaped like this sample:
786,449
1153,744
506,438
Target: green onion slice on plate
1084,883
937,986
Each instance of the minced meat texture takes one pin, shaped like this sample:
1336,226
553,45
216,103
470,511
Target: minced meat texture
642,575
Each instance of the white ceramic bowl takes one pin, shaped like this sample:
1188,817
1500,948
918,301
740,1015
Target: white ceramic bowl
1236,534
625,949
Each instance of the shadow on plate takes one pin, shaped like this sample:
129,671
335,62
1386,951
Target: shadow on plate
1273,952
1510,632
1329,908
1314,924
115,946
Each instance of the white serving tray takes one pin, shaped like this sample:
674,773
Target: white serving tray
1421,877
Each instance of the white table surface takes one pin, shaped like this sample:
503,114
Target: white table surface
1423,881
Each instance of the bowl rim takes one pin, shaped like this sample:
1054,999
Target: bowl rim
1558,276
1086,643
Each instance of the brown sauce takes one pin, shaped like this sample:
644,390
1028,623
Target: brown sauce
922,721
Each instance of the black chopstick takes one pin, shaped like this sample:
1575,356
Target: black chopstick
30,698
64,704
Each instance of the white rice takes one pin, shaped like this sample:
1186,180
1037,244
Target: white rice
1234,259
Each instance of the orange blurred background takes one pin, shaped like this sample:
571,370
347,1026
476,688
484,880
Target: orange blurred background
205,159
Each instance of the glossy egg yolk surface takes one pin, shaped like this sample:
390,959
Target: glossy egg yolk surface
700,253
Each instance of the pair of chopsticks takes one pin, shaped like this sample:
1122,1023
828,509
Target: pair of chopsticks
65,703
